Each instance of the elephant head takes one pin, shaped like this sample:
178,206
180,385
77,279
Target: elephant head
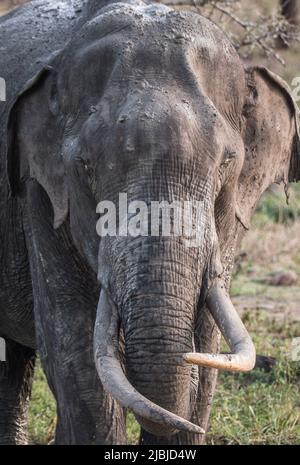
155,104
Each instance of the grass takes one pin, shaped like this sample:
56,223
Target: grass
271,246
264,408
260,407
42,415
274,208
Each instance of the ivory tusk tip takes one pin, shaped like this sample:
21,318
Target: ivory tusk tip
197,429
201,430
229,362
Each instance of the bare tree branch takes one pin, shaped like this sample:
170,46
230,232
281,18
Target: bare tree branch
290,10
263,33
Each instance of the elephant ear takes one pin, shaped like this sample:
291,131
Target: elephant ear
34,142
271,139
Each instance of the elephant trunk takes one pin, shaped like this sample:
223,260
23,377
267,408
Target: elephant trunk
154,356
158,313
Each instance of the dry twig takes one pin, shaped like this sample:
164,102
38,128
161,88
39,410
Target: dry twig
263,33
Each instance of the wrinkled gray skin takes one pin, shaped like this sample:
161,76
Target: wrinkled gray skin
155,103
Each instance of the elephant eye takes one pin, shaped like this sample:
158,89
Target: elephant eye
90,178
229,156
85,164
83,167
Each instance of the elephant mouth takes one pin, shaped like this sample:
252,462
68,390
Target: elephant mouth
153,417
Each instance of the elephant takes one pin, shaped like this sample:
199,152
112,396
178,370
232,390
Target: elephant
110,97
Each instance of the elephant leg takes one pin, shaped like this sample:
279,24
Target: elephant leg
65,323
16,376
207,340
66,293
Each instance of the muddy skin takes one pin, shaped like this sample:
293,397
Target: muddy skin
104,98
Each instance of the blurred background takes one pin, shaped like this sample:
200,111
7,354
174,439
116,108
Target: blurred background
262,407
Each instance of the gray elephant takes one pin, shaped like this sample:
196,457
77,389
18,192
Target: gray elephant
135,98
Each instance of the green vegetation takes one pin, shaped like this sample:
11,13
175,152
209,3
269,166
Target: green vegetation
260,407
42,415
133,429
275,209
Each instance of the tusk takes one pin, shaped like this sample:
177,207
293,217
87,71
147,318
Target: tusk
243,354
106,353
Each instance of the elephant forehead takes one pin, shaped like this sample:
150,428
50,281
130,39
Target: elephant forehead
128,45
150,33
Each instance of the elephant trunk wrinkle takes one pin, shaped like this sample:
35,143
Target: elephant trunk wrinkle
156,337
